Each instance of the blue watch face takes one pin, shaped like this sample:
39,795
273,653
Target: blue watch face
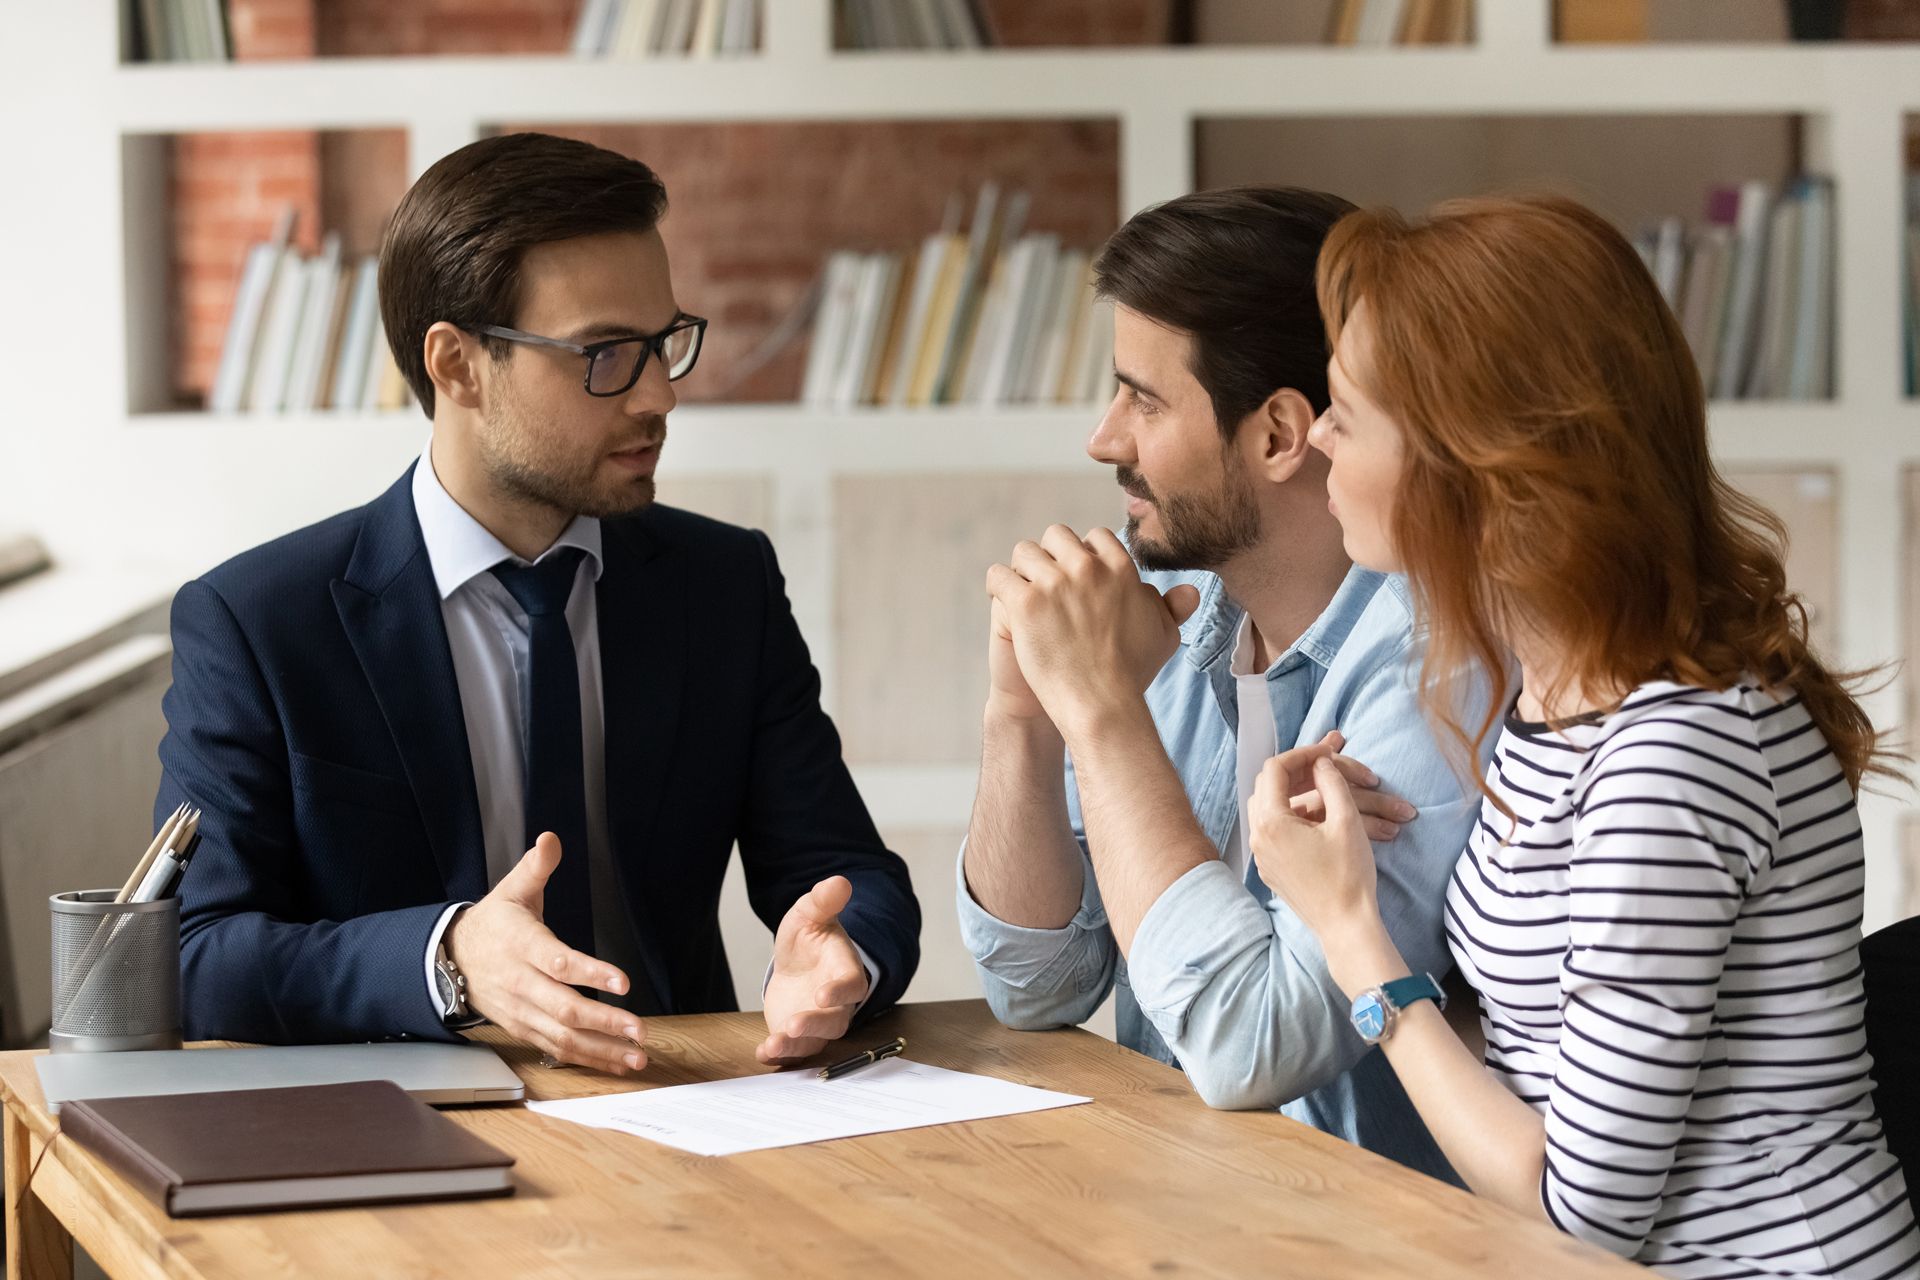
1369,1019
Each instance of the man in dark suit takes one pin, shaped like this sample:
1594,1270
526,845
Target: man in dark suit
513,647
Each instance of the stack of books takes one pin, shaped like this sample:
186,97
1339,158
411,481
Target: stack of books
1379,23
176,30
305,334
1753,289
913,24
989,317
667,28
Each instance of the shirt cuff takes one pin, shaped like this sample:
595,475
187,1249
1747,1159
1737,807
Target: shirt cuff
866,962
1017,955
433,988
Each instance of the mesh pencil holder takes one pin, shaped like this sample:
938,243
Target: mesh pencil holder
116,973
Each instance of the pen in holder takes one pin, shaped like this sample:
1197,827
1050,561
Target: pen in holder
116,954
116,973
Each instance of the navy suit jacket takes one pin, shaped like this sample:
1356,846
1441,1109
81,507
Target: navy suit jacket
314,714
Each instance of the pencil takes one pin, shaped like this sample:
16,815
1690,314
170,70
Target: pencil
160,840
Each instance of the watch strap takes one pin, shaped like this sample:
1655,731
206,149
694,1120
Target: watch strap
1404,992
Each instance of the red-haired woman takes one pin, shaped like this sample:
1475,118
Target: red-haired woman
1661,907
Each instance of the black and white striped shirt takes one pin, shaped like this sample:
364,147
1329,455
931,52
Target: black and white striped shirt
1667,955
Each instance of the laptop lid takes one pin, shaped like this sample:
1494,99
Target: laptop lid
438,1074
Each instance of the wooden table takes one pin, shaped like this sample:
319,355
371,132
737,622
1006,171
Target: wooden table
1144,1181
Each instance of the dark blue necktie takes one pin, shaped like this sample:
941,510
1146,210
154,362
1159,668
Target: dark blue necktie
556,794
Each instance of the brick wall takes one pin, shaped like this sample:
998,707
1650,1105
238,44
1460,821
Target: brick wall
227,190
413,28
756,207
272,29
1080,22
373,28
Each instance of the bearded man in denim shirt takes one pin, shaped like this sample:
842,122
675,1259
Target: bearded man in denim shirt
1254,636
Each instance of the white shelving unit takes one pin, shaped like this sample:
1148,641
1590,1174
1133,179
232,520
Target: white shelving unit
234,481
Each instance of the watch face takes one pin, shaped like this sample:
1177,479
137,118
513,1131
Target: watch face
1369,1019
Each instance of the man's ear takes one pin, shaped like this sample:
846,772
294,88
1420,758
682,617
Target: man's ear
1276,435
452,357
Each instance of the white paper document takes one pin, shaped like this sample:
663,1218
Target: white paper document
785,1109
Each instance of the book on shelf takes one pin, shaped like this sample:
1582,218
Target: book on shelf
358,337
263,266
1910,347
1599,21
993,221
913,24
175,31
667,28
305,334
267,388
1377,24
1753,288
316,327
996,316
1636,21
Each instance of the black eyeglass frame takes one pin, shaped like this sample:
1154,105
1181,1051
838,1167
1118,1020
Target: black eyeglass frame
656,345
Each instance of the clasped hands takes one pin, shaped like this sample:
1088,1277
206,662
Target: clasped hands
1076,638
1076,634
522,978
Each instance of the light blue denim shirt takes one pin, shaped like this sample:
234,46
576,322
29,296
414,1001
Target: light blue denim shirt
1224,981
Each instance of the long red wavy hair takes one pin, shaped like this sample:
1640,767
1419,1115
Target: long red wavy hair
1556,473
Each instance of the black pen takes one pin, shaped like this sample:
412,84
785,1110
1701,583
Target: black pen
867,1059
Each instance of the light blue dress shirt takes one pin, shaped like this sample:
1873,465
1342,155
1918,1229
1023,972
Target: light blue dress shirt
1224,981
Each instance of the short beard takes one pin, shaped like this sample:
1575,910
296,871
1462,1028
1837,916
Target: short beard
1200,532
508,452
573,496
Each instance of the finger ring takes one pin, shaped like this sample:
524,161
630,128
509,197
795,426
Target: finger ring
548,1060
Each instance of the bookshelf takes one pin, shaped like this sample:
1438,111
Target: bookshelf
247,478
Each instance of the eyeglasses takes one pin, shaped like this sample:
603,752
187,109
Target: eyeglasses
614,366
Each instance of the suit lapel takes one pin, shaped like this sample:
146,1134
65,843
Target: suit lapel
390,608
643,661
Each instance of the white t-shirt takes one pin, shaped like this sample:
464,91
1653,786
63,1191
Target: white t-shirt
1257,740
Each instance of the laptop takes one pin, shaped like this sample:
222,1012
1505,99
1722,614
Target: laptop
437,1074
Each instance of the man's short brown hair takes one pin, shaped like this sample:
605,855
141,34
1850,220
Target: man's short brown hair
1234,269
453,249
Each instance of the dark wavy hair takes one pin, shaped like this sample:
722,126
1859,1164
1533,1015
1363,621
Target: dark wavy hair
1232,268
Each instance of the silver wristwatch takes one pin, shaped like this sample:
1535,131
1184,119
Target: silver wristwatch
451,986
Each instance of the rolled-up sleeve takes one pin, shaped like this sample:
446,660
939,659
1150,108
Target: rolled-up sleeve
1038,979
1238,989
1239,992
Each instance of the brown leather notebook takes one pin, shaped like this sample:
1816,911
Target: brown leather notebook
198,1153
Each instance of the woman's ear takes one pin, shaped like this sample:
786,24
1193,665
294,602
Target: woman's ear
1279,434
451,358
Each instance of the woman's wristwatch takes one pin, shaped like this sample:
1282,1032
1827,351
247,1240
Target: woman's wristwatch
1376,1009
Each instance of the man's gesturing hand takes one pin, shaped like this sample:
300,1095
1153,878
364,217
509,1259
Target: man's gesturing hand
818,980
520,977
